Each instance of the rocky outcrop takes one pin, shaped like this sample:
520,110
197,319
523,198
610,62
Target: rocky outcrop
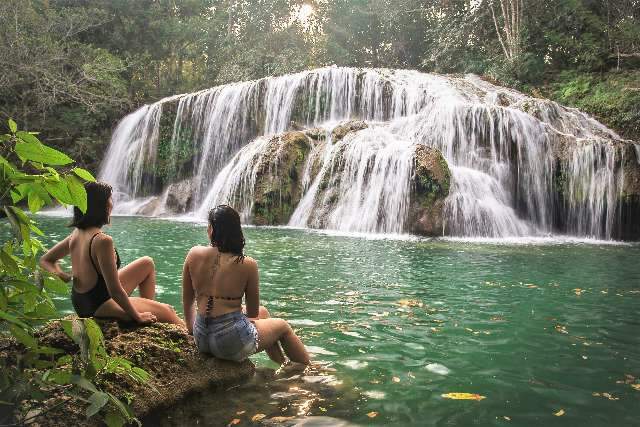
430,187
277,188
345,128
165,351
179,197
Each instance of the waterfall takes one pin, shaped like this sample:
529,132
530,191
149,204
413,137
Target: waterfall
509,154
370,182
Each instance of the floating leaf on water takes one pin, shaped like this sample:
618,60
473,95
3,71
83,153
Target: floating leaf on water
372,414
463,396
395,379
410,375
506,418
635,387
240,412
257,417
578,291
559,413
234,422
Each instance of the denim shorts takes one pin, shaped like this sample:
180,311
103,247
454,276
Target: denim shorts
230,336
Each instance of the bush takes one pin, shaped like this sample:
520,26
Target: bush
36,175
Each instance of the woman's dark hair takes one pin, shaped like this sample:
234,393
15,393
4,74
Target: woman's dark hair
98,194
227,232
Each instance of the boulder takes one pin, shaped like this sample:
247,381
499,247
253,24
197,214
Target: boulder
149,208
179,196
277,188
165,351
430,187
345,128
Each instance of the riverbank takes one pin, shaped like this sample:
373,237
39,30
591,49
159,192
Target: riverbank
176,370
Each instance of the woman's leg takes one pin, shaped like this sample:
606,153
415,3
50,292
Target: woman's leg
164,312
274,352
270,331
141,274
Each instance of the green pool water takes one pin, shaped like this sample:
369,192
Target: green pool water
538,329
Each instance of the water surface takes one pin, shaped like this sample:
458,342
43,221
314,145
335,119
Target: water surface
539,329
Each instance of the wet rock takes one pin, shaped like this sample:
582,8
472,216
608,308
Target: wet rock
165,351
345,128
430,187
179,196
149,208
317,134
278,184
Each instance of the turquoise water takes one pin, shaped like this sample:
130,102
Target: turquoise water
538,329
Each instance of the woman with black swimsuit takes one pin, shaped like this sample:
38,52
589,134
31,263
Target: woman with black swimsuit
100,287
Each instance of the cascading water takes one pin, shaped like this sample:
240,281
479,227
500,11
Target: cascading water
508,153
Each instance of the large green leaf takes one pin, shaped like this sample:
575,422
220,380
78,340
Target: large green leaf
23,336
55,285
13,126
35,202
60,191
98,400
28,137
38,152
8,263
76,188
84,174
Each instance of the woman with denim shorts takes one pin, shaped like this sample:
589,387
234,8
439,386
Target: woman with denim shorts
214,281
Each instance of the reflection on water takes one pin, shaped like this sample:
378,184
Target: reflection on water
283,398
536,328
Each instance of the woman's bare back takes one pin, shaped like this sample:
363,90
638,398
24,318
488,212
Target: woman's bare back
219,275
84,272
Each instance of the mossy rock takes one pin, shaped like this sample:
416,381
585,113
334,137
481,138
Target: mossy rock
343,129
430,187
277,189
165,351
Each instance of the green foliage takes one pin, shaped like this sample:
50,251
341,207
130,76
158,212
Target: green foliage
42,175
614,98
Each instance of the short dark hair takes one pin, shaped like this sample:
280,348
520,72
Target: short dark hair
98,194
227,232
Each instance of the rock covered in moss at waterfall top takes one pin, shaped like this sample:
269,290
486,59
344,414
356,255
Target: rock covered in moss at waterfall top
430,187
277,188
165,351
345,128
179,196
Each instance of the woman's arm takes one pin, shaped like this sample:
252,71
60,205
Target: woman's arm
49,261
188,296
252,292
106,261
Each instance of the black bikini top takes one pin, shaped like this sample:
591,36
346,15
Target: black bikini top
118,263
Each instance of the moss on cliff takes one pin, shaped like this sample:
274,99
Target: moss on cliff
277,190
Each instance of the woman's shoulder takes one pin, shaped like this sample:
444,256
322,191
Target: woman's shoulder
199,251
250,262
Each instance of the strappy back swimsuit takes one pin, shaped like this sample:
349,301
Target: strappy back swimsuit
86,303
230,336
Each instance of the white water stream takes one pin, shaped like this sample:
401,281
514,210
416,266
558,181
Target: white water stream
503,148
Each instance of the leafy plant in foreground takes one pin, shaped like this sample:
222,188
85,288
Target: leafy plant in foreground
36,175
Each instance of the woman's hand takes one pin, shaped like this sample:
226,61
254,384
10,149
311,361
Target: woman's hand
146,318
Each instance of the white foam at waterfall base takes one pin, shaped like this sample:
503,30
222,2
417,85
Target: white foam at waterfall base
499,144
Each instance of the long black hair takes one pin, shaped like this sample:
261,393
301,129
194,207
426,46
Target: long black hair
227,232
98,194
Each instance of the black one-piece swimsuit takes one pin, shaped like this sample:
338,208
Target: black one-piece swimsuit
86,303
